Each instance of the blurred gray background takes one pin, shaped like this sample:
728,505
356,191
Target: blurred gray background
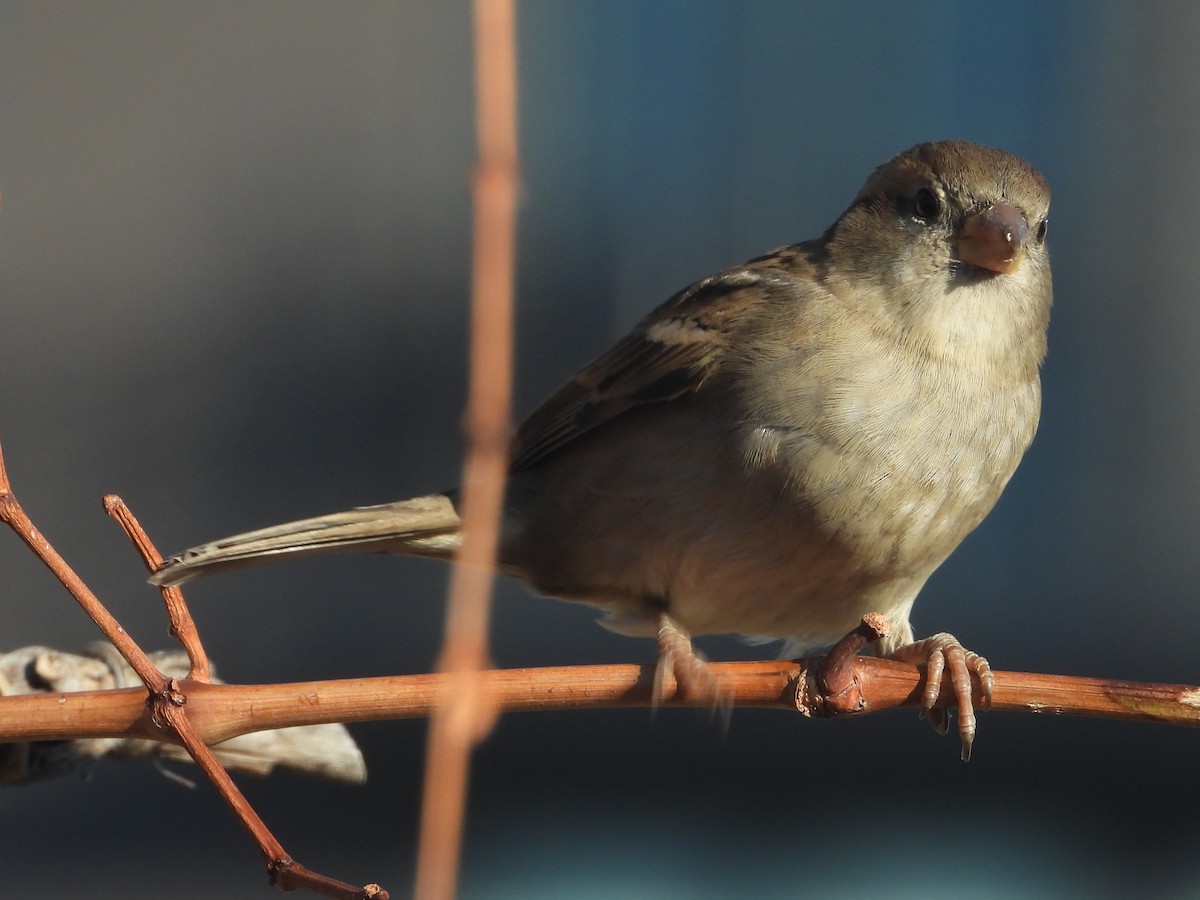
234,252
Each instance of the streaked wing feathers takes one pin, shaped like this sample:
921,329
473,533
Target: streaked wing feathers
671,352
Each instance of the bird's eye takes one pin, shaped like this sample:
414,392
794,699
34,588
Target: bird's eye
926,205
1041,232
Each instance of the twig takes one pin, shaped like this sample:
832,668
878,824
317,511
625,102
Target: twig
221,711
13,515
284,872
183,626
464,716
838,685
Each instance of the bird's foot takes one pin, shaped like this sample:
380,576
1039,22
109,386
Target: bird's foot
937,654
678,658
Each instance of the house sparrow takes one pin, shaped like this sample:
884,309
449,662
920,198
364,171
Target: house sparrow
783,446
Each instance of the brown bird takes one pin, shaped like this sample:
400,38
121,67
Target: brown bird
783,446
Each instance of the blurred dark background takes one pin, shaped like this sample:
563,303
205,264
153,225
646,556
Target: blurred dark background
234,253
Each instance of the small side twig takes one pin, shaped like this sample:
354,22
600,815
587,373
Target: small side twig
837,687
183,626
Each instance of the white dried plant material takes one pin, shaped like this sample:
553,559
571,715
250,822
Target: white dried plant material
327,751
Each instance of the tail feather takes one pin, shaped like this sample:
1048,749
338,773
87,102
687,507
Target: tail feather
424,526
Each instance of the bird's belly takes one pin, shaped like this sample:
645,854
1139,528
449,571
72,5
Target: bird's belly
792,537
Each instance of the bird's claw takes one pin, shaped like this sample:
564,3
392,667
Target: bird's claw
938,654
679,659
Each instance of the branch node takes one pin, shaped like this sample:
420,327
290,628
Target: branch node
161,702
288,875
832,687
279,868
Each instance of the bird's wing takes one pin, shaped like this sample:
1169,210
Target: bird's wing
672,352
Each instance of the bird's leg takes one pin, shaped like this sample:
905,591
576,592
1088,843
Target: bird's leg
678,657
936,654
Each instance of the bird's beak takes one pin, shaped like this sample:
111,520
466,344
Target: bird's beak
994,238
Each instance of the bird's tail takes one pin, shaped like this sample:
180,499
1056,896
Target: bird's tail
423,526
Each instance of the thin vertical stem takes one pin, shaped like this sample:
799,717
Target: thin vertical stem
463,715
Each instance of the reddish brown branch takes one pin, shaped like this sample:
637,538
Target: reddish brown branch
283,871
183,627
218,712
13,515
